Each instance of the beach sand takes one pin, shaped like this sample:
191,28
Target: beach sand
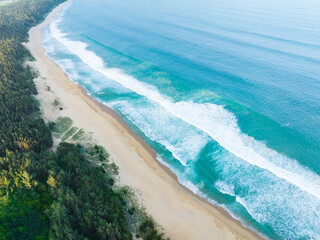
182,214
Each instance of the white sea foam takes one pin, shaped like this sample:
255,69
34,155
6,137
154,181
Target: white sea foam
163,162
255,215
283,200
224,187
212,119
185,144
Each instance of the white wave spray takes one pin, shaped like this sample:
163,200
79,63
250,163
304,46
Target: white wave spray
212,119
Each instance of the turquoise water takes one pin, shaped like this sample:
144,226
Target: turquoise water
226,92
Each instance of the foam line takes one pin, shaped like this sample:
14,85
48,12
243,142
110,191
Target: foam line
212,119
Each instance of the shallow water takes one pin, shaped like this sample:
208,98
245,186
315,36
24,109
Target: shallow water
227,93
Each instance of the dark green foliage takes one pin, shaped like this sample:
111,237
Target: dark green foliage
22,200
45,194
20,130
147,230
16,19
85,205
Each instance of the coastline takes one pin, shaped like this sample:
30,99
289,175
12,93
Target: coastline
182,214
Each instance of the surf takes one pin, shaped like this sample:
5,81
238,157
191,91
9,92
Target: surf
212,119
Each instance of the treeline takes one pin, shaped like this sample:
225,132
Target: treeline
45,194
19,129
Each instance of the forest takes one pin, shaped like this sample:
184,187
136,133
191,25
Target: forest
47,194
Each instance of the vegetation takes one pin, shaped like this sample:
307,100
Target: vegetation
69,193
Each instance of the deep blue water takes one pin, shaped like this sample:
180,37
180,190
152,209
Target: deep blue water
226,92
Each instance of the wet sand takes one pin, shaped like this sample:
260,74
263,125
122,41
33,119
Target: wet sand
182,214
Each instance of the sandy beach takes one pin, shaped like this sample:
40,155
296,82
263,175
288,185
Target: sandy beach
182,214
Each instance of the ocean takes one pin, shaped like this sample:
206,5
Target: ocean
226,92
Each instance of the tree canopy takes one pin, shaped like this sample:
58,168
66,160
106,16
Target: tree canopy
48,194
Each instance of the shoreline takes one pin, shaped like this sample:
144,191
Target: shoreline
182,214
152,152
